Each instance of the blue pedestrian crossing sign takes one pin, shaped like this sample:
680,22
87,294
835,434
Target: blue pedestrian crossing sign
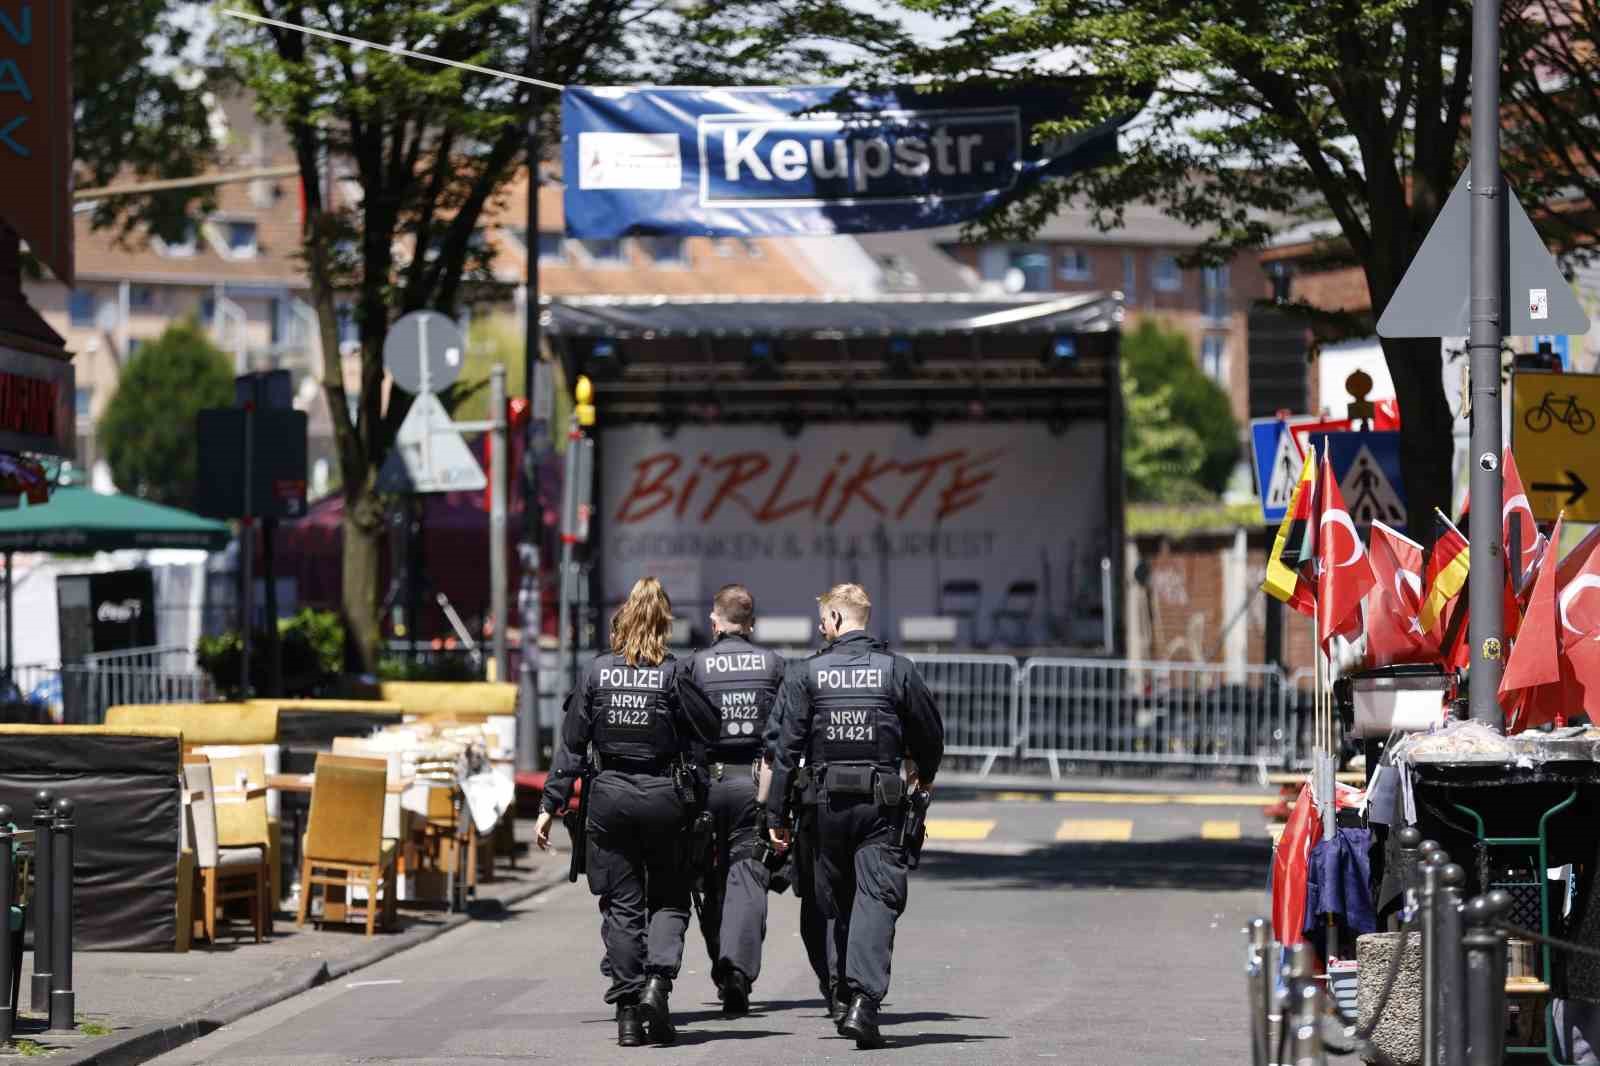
1560,344
1367,467
1278,463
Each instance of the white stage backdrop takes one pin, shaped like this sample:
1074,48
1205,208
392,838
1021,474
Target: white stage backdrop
909,517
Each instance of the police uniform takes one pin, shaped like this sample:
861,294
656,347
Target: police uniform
801,864
737,682
631,717
853,710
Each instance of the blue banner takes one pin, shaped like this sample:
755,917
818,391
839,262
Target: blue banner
750,162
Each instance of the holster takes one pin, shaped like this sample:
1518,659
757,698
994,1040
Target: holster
577,823
850,780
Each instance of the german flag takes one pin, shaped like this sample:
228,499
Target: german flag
1447,570
1283,581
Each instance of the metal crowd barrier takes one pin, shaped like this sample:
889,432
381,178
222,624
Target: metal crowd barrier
1102,710
81,691
978,697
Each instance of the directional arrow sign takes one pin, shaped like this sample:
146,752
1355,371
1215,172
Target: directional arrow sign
1433,296
1555,432
1574,486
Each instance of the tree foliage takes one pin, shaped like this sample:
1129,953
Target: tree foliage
429,150
148,429
137,110
1162,361
1264,113
1162,456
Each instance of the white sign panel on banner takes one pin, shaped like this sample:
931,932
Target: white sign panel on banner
1006,516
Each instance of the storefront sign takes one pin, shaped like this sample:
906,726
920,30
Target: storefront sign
37,404
36,128
808,160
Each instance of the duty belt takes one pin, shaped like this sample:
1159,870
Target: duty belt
651,767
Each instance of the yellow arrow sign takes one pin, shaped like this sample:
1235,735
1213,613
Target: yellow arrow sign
1554,435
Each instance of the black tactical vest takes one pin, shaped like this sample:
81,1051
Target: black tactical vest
741,679
853,714
631,710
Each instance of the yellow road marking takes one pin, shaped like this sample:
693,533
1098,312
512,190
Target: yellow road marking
1219,829
1018,797
1095,829
960,828
1226,799
1118,798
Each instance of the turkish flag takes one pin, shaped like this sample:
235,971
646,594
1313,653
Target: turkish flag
1516,514
1394,631
1578,611
1535,661
1344,572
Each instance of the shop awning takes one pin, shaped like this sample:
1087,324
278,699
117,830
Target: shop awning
79,520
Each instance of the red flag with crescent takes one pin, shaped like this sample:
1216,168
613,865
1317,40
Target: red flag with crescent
1531,691
1516,516
1394,628
1578,614
1344,572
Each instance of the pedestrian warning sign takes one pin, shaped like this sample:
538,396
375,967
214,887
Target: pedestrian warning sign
1367,467
1278,462
1554,436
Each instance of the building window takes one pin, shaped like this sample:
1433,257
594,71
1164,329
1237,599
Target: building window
134,344
1075,265
275,320
84,402
752,248
1164,273
141,296
1130,278
81,307
1214,357
607,251
208,310
667,251
1017,268
1214,299
241,239
552,248
181,247
346,315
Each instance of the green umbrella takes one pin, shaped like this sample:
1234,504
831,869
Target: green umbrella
78,521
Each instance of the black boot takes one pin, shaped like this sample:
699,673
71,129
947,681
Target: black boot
838,1003
657,1014
861,1022
630,1031
735,994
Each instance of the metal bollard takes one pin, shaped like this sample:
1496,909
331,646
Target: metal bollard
1410,857
8,958
1451,967
1306,1005
1485,957
63,1001
43,802
1429,870
1258,979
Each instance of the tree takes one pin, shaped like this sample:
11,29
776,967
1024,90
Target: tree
430,149
148,429
1352,109
1161,455
1162,358
137,112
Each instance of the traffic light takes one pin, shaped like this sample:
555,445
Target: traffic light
584,395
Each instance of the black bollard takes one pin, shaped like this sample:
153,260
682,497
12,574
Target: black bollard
8,959
1408,860
1426,916
63,1001
1485,951
1451,964
43,816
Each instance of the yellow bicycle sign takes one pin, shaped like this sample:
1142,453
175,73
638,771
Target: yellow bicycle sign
1552,419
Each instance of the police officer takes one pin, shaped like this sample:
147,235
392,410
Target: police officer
626,709
736,682
853,711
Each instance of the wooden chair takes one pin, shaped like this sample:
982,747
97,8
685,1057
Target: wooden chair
244,817
344,840
226,873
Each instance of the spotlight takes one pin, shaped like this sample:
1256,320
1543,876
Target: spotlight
1062,351
921,422
901,357
1058,423
763,359
791,422
603,359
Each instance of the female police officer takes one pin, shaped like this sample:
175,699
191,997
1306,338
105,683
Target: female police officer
626,709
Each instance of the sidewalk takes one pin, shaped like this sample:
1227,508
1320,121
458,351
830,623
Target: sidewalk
133,1006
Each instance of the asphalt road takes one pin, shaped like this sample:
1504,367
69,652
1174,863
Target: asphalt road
1069,932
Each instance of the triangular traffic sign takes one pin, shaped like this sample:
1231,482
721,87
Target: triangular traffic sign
1434,295
429,454
1368,494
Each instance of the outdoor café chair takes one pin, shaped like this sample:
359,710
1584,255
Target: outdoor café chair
344,842
226,873
244,818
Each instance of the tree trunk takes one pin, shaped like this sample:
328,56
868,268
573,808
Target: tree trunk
363,598
1427,446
